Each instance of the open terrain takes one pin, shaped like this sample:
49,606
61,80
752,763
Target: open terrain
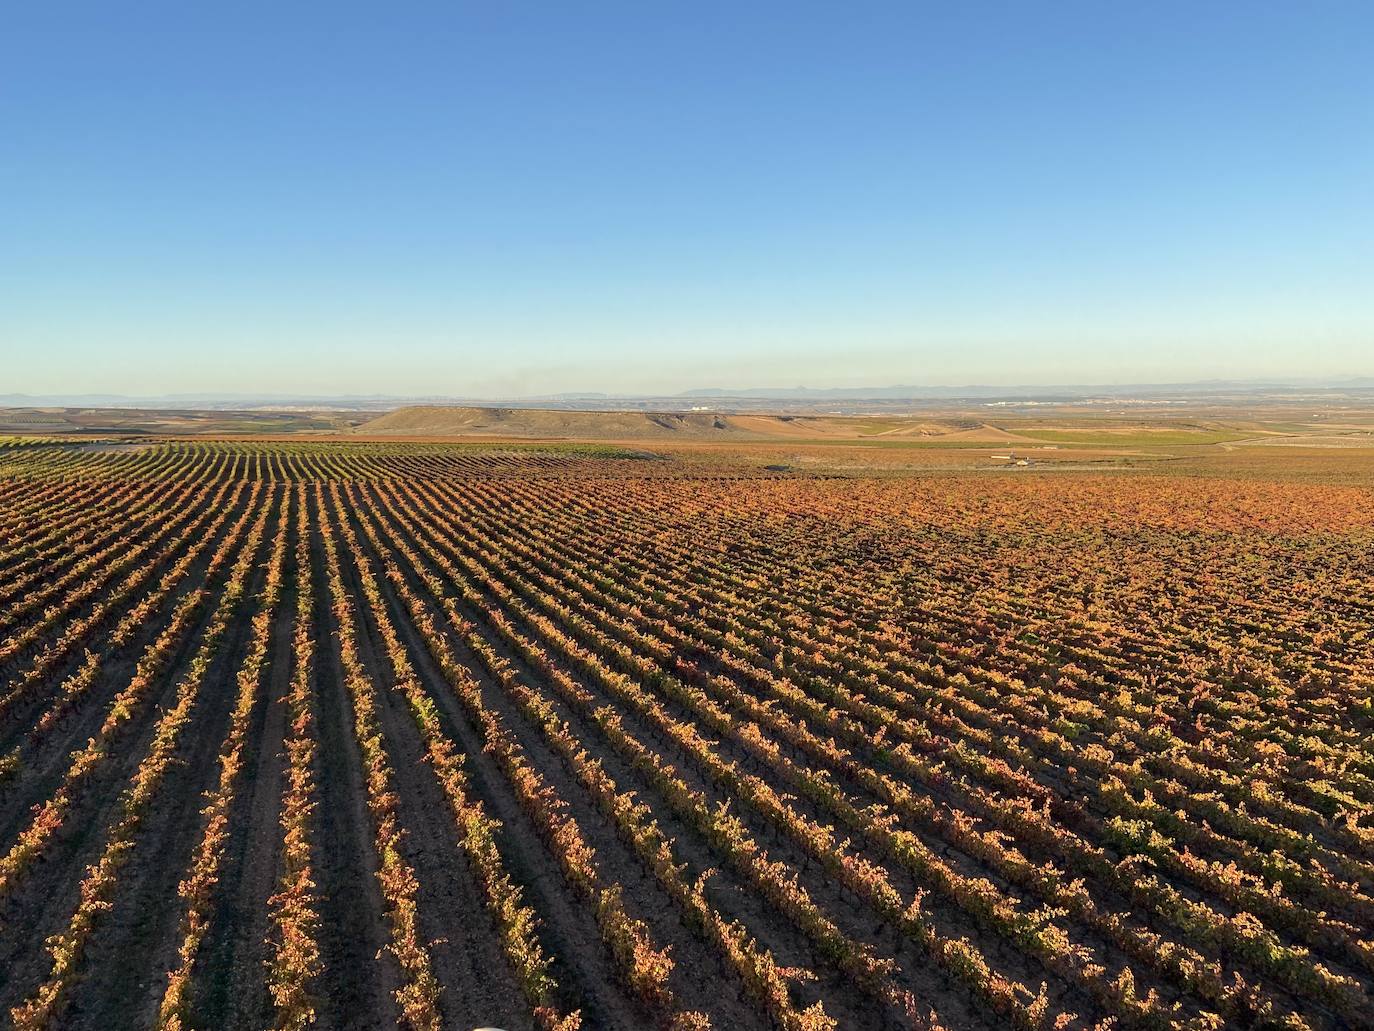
969,425
796,723
1324,419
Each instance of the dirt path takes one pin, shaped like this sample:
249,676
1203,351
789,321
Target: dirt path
359,975
479,987
231,991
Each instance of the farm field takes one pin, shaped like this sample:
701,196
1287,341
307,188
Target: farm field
544,736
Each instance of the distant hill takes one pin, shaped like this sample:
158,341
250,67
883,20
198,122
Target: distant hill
445,421
442,420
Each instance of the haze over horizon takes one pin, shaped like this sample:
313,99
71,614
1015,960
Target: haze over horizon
531,200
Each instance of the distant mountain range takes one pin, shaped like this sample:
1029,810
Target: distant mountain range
219,401
190,401
989,391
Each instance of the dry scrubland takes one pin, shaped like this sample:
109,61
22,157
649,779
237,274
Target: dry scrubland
369,734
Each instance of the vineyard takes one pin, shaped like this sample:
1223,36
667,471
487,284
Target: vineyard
553,737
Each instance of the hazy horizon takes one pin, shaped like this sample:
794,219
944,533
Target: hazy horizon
1299,388
521,201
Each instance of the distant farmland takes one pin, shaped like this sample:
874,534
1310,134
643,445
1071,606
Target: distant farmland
361,734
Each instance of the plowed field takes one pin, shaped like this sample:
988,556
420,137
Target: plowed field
366,735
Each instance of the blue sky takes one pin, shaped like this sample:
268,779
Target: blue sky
512,198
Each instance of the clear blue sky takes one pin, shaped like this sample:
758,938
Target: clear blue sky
509,198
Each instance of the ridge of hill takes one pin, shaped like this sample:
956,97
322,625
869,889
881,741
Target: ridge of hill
443,420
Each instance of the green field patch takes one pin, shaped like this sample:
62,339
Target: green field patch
1135,438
